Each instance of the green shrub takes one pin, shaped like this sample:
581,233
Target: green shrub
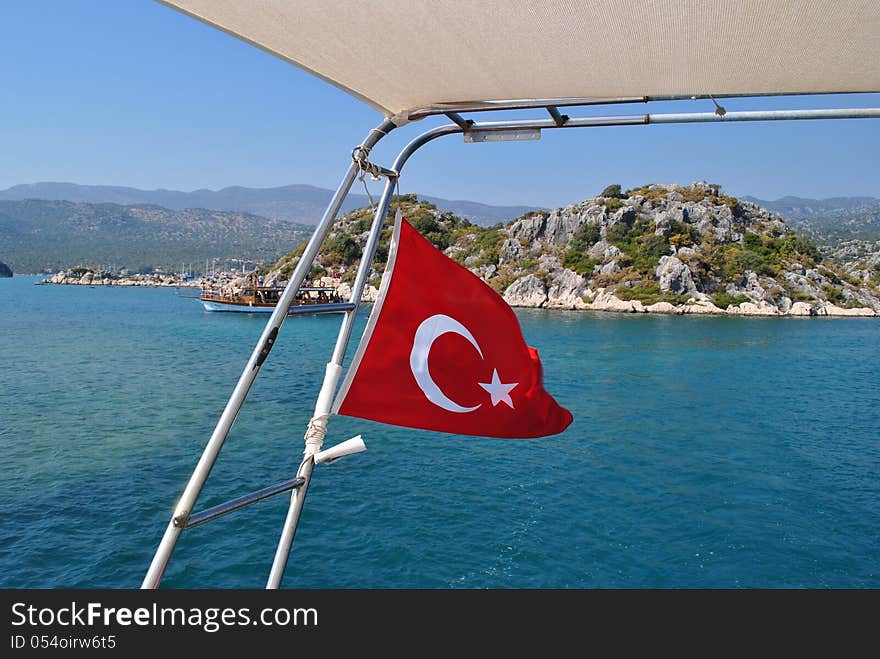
753,242
341,248
647,193
694,194
648,293
852,281
489,239
830,275
579,262
424,223
382,251
440,239
407,198
585,236
300,249
618,234
682,234
612,205
745,260
500,282
723,299
798,295
640,292
612,191
800,247
654,245
833,295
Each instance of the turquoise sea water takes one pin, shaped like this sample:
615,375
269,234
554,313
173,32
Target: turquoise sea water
705,452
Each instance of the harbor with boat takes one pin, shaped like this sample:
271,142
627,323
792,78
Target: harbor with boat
252,296
223,291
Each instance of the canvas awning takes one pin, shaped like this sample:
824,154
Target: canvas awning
399,55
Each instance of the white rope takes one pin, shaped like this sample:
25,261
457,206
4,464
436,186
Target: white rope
315,433
317,427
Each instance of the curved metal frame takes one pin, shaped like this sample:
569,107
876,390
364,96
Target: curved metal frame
183,509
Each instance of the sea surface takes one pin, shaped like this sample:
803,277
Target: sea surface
705,452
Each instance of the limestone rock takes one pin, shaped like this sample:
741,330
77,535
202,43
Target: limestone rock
662,307
701,306
832,310
762,308
5,270
511,250
528,229
528,291
561,226
568,292
371,293
800,309
604,252
608,301
610,268
674,276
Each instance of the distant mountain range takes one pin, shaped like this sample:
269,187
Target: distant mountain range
829,221
797,207
302,204
55,225
38,235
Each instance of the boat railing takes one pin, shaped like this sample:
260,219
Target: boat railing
266,294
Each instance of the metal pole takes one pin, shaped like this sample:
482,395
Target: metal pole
676,118
239,393
532,103
765,115
328,388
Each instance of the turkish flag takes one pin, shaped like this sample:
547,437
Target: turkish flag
443,351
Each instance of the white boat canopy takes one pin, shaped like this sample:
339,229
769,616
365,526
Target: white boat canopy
404,55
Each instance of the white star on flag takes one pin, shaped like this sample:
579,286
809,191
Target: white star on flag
499,391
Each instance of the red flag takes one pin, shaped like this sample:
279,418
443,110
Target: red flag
443,351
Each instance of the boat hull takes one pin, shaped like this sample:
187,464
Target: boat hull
239,308
295,310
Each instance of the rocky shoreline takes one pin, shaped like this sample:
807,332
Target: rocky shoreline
570,294
92,277
527,292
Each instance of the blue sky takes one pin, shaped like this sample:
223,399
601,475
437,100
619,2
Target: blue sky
130,92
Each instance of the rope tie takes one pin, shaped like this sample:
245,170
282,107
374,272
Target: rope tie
359,156
315,433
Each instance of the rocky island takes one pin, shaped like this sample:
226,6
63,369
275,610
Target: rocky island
657,249
5,270
83,276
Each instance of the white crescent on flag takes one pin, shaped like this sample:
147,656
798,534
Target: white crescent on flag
429,331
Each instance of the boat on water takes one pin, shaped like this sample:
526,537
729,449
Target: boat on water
588,54
255,298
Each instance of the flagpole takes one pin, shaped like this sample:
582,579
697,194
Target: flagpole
258,356
318,425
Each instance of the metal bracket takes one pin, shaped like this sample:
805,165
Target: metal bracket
559,118
465,124
359,157
189,521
